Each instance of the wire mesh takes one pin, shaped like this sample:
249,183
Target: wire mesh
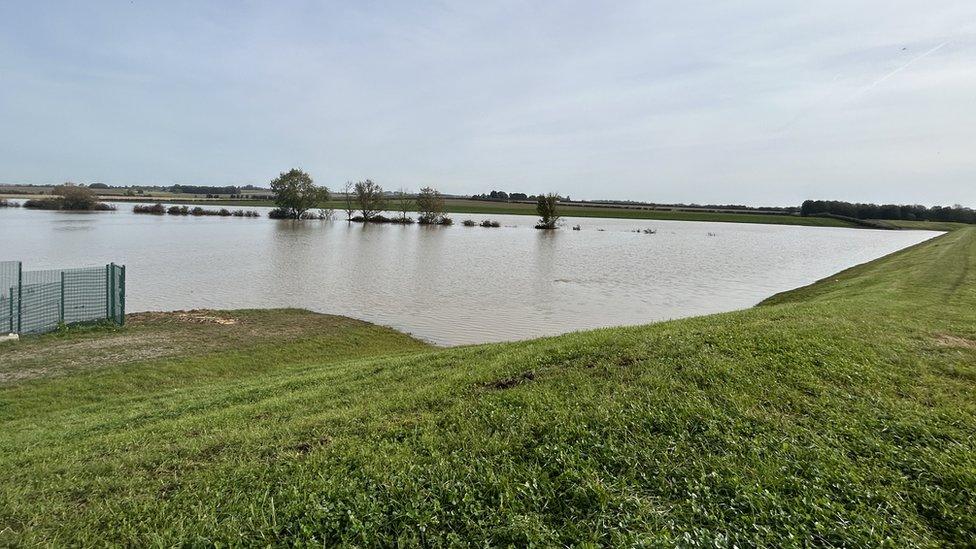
36,302
9,292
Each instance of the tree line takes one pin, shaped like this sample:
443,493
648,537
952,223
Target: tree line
296,194
913,212
504,196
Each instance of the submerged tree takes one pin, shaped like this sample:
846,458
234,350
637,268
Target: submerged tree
430,206
295,193
403,204
74,197
349,199
370,197
546,207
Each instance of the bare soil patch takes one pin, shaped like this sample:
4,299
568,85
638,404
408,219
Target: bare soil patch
954,341
159,335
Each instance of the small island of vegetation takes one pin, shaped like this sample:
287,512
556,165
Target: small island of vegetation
69,197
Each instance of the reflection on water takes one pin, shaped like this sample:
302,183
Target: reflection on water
449,285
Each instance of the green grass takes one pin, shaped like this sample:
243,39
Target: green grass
841,414
483,207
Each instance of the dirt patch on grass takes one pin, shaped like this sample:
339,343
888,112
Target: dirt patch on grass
954,341
161,335
190,317
207,319
509,382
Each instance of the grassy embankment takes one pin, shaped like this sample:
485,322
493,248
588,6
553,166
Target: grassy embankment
843,413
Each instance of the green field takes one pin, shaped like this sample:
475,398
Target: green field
460,206
841,414
483,207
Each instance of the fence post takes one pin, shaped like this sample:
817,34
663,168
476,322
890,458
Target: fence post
122,296
20,295
62,297
108,310
11,318
112,287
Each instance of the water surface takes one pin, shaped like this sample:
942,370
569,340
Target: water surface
448,285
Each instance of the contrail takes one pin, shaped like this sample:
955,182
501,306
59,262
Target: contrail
874,84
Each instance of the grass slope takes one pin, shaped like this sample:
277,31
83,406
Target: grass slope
839,414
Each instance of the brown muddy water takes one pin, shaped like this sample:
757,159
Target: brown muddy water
448,285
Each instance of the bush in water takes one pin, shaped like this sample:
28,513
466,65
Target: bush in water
155,209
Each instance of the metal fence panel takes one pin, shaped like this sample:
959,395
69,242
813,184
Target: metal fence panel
85,294
36,302
10,272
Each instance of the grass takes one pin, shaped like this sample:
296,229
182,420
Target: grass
464,206
843,413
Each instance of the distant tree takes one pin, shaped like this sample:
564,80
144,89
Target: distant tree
430,205
349,199
370,198
956,213
547,208
202,189
403,203
98,186
518,196
295,193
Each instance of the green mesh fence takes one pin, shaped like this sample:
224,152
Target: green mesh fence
34,302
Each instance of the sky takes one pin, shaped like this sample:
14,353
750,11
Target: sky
744,102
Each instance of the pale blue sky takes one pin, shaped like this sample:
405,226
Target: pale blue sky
747,102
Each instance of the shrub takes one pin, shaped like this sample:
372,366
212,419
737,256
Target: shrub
4,203
178,210
468,223
490,223
442,220
155,209
76,198
69,197
224,212
279,213
43,204
382,219
324,213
